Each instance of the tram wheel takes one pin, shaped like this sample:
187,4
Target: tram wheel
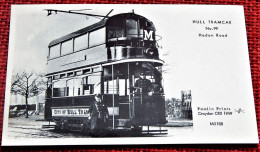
64,125
58,126
85,128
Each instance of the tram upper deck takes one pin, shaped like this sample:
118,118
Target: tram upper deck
121,38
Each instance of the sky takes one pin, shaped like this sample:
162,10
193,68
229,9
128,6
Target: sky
191,60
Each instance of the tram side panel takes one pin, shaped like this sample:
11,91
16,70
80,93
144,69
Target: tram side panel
78,59
47,110
66,103
149,110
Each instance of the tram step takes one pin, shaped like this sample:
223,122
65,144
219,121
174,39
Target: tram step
151,134
48,126
154,131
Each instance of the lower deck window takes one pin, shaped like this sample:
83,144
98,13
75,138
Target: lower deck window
91,84
110,86
59,89
77,86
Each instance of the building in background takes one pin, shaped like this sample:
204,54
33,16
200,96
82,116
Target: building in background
186,109
180,108
36,103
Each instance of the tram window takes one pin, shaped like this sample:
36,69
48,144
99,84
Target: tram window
91,84
97,37
110,87
77,87
123,85
67,47
81,42
49,88
152,73
116,28
96,69
149,25
70,85
55,77
62,75
59,88
120,83
115,32
87,89
141,32
131,28
78,73
95,80
142,26
87,71
70,74
55,51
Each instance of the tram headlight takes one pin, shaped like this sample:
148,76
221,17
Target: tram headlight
149,52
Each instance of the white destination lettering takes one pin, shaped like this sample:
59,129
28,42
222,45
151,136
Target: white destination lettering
148,36
75,112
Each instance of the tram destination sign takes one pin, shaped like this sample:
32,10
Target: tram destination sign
129,75
73,112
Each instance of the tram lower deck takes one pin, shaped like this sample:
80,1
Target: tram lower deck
131,101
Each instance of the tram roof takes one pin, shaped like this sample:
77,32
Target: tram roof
79,32
90,28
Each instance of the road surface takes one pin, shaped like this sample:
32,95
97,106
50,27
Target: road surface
21,127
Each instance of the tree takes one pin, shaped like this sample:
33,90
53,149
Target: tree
169,106
27,85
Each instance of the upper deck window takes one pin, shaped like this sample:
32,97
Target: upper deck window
67,47
131,28
81,42
97,37
116,29
54,51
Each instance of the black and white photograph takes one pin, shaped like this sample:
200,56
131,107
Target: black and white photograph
128,74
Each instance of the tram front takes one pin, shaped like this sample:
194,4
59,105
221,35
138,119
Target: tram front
147,95
133,74
135,87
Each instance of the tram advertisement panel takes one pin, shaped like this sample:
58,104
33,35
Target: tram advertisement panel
147,74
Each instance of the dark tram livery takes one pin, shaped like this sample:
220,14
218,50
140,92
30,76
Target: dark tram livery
106,58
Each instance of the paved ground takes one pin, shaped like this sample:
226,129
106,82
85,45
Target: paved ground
179,123
31,127
21,127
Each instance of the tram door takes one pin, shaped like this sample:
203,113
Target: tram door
116,87
120,82
145,97
135,95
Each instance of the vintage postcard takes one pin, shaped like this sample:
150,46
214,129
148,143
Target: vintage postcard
128,74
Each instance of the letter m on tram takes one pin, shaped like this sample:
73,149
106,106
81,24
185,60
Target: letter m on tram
148,35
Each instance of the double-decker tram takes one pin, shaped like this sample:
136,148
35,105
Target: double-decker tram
117,58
